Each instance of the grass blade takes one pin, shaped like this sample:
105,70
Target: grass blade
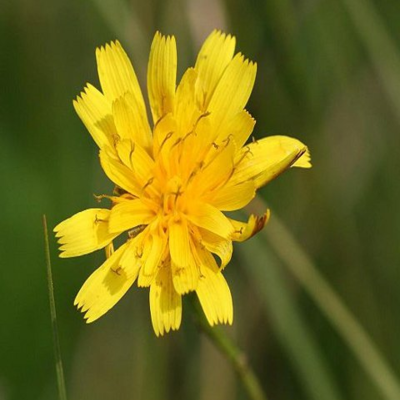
62,393
329,302
296,339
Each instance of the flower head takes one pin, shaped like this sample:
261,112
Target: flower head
174,178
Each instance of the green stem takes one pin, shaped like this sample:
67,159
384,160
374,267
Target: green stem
62,393
233,354
331,305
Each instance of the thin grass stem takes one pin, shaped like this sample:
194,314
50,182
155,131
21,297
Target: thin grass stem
62,393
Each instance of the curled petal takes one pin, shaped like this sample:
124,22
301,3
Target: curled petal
245,230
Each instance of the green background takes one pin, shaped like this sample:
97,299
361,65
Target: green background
328,74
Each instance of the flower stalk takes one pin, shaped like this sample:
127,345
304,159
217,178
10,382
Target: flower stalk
234,355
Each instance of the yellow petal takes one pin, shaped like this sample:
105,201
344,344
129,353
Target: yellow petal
304,161
215,54
157,243
130,123
233,197
161,75
185,273
245,230
165,303
267,158
104,288
95,112
164,135
155,256
131,261
117,77
202,138
213,291
109,250
179,245
217,245
84,232
232,91
208,217
137,160
186,110
239,127
129,214
119,173
218,167
185,278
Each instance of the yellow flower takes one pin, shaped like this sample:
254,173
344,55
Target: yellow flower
173,179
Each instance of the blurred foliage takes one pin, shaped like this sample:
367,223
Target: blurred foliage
327,74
